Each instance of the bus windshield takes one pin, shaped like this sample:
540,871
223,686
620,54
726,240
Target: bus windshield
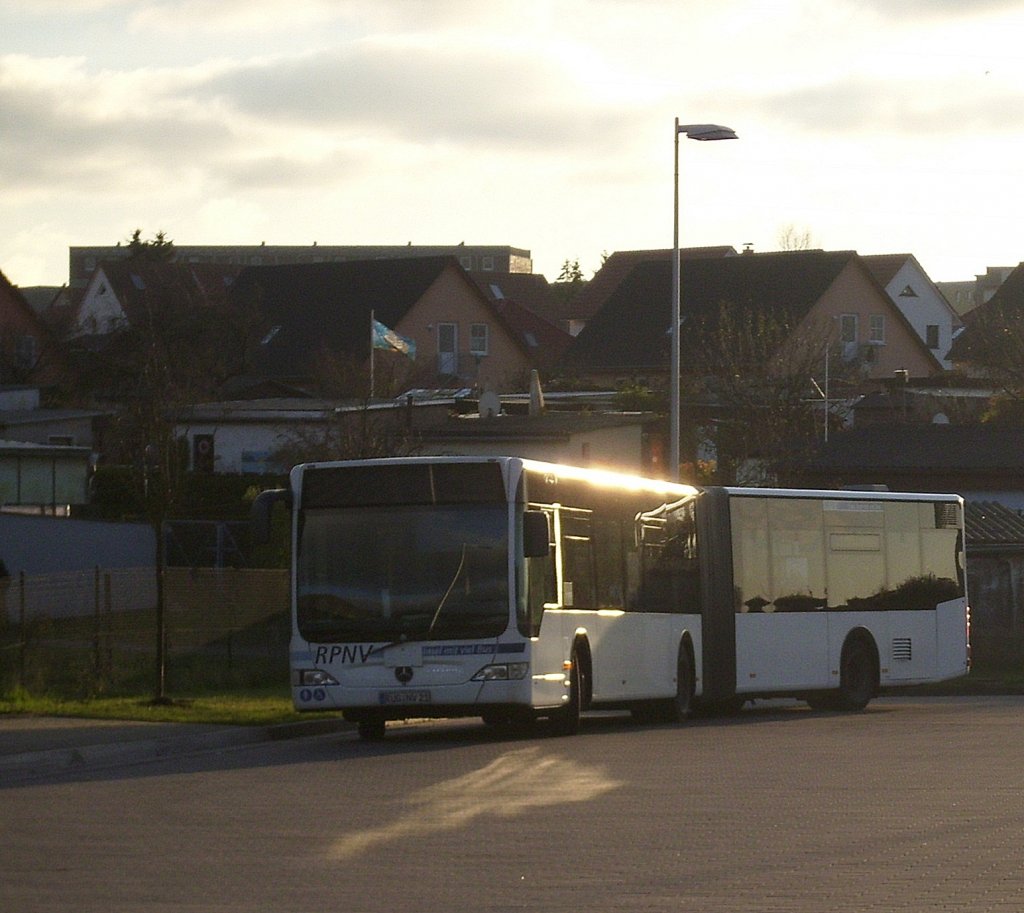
397,573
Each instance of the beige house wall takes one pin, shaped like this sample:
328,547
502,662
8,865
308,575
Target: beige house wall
854,292
504,369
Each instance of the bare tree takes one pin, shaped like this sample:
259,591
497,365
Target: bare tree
993,345
760,376
792,238
360,432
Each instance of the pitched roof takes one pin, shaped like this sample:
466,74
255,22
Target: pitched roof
545,342
141,283
632,329
525,302
530,290
593,297
946,448
309,305
884,266
1007,302
992,524
18,299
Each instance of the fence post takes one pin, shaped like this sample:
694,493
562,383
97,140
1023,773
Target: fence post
96,644
108,605
21,630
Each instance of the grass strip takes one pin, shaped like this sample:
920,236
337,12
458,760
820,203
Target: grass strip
234,709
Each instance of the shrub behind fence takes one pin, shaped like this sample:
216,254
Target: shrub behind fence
94,632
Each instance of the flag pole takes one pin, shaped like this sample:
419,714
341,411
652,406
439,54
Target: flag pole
372,347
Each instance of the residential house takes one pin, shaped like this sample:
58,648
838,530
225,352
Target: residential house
45,454
248,436
831,294
315,314
121,291
919,300
27,351
991,343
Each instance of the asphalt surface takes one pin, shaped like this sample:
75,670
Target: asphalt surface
39,746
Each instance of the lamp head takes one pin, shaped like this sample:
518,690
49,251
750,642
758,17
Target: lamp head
706,132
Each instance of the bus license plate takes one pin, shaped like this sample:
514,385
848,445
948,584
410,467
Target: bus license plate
406,696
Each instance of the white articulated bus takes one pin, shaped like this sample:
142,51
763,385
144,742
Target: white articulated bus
512,590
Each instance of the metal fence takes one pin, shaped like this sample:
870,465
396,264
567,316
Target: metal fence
95,632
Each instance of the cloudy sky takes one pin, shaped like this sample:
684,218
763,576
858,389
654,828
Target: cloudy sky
883,126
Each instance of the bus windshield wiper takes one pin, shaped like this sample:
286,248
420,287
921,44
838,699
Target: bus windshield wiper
383,648
448,592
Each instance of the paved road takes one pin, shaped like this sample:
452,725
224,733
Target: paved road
914,805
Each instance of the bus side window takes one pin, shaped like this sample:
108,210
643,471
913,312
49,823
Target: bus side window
670,572
578,559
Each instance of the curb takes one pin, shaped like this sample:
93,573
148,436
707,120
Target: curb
35,764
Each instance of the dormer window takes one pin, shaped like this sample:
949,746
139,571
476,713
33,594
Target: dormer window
908,292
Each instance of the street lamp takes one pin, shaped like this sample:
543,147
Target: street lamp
704,133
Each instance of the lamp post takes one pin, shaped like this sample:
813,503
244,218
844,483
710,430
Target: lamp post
704,133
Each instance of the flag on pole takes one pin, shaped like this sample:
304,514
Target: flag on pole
386,338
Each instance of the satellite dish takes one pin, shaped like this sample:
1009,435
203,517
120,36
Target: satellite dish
490,405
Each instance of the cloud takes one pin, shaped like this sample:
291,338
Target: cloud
872,106
63,126
403,90
934,9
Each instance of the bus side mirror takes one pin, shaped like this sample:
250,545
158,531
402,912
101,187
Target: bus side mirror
536,535
262,508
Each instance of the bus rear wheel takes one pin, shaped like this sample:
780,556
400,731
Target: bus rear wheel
857,676
674,709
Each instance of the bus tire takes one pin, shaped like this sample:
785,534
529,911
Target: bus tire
566,720
371,730
682,705
858,675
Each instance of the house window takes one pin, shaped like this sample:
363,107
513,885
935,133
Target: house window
478,338
848,328
487,263
448,349
466,262
931,335
876,329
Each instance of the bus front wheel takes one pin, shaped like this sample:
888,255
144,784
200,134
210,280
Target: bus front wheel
566,720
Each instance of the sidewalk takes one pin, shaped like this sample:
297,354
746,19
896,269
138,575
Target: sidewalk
38,746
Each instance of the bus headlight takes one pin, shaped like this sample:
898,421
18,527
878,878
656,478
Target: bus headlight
314,677
502,672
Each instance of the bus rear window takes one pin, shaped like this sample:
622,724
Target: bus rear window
437,483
